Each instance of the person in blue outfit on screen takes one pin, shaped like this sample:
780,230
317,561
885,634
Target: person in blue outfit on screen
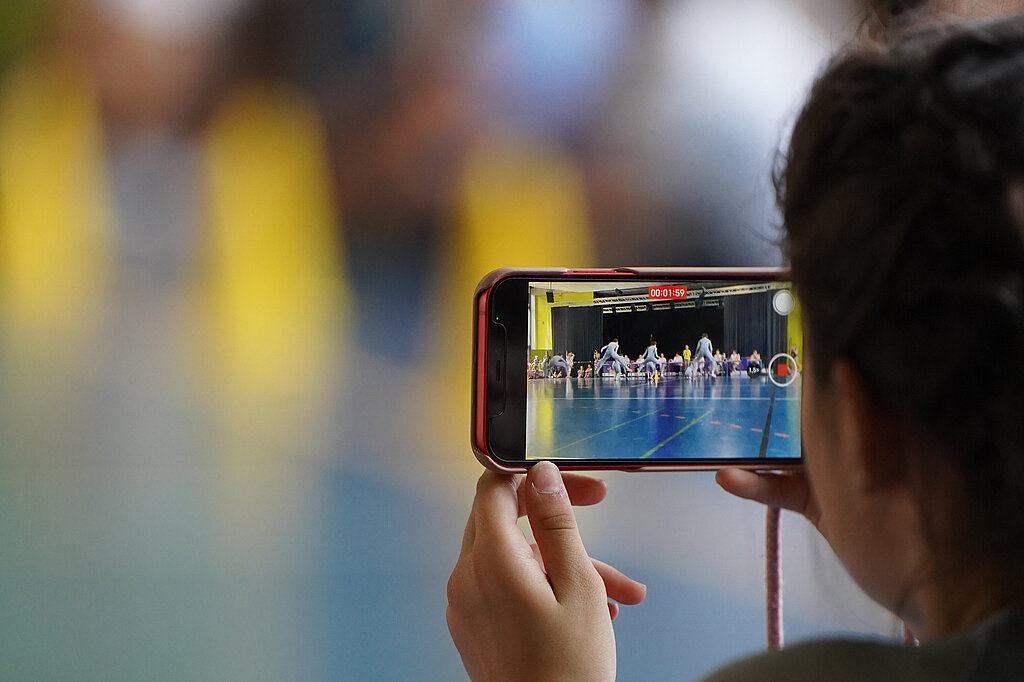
702,352
650,362
611,352
559,363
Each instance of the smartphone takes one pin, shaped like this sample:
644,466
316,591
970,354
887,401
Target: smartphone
637,369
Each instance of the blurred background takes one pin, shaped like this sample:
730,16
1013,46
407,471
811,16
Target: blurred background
238,243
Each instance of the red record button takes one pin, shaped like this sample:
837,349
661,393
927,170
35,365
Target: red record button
663,293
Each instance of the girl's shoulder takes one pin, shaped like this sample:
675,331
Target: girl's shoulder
992,651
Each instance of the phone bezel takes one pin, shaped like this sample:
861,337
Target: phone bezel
484,379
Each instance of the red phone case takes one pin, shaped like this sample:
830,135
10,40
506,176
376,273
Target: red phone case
478,437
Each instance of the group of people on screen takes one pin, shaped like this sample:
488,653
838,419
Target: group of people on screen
651,363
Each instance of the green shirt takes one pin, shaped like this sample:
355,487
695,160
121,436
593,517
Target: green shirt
992,651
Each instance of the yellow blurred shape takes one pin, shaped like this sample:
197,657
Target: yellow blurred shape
55,226
257,326
540,427
795,331
520,202
277,293
270,277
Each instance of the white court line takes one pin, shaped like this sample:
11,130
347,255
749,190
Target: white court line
599,433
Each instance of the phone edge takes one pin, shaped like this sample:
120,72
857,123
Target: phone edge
478,427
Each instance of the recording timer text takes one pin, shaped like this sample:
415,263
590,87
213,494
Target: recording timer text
666,292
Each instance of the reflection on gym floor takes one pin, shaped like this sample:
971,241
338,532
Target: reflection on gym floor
733,416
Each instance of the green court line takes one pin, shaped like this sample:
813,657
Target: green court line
611,428
659,445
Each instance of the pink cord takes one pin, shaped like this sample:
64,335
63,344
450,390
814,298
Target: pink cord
773,579
773,584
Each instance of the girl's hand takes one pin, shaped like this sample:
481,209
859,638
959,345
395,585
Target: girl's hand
541,612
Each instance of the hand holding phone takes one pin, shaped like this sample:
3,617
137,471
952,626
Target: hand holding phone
523,612
637,369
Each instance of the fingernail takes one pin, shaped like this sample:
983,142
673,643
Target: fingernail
546,478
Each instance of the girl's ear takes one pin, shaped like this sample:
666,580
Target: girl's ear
869,433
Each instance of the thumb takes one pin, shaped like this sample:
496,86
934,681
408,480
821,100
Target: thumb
569,569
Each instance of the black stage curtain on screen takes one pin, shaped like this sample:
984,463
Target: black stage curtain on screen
672,329
742,322
751,323
586,329
577,330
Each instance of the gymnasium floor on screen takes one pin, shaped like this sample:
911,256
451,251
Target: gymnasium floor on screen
734,416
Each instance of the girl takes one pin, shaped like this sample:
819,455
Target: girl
903,204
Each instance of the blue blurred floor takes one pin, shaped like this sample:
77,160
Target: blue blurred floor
365,599
380,604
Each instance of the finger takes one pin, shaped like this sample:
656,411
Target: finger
613,609
583,490
495,509
788,491
620,586
469,535
569,569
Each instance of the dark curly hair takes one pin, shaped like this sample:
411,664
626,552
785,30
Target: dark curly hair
902,197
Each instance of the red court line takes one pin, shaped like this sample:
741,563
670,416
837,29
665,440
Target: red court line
755,429
782,435
716,422
666,415
734,426
680,417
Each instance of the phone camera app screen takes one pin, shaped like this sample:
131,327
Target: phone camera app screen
663,370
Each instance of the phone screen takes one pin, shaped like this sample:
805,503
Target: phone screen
663,370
